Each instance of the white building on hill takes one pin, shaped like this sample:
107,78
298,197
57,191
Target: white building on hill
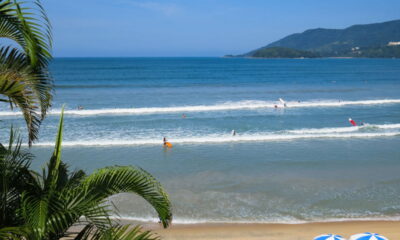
393,43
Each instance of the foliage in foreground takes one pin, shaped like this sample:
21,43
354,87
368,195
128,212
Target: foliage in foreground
24,78
45,205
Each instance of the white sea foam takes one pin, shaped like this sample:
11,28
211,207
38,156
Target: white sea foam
312,133
283,220
344,129
227,106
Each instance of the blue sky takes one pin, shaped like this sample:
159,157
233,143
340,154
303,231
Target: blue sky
93,28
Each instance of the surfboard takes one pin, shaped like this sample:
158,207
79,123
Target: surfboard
168,144
283,102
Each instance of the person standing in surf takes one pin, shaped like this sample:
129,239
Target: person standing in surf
166,143
283,102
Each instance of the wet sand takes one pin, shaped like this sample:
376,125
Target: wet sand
390,229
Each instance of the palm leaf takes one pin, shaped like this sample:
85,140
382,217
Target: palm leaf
34,210
35,26
52,202
28,27
12,233
38,205
67,179
68,208
9,25
116,232
14,173
16,82
55,160
112,180
37,34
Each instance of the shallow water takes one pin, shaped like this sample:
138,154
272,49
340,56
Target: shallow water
304,162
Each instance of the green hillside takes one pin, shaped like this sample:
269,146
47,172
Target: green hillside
282,52
368,40
328,40
376,52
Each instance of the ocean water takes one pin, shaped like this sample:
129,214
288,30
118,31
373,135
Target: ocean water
303,162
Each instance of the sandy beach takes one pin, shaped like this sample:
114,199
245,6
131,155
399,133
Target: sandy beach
390,229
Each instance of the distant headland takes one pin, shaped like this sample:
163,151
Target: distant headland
377,40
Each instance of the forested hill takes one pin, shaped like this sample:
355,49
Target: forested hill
354,41
328,40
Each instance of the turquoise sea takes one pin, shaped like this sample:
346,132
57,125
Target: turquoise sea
303,162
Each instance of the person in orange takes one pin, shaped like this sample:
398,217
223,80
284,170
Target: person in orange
166,143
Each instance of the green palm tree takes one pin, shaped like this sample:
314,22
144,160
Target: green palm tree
25,81
44,206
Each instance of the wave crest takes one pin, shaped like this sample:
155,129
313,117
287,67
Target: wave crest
228,106
368,131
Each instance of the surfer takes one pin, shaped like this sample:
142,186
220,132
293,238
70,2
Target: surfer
283,102
80,107
352,122
166,143
275,106
233,132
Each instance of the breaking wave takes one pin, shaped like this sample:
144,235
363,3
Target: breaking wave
281,220
227,106
368,131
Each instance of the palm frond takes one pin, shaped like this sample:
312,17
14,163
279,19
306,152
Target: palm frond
39,205
28,26
34,210
9,24
73,204
14,174
108,181
116,232
36,28
67,179
13,233
55,160
49,204
16,83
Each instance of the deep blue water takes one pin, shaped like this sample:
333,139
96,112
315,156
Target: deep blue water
303,162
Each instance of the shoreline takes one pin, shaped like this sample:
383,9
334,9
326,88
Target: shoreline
183,222
272,231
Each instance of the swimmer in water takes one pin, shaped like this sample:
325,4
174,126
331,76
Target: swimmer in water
80,107
183,116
